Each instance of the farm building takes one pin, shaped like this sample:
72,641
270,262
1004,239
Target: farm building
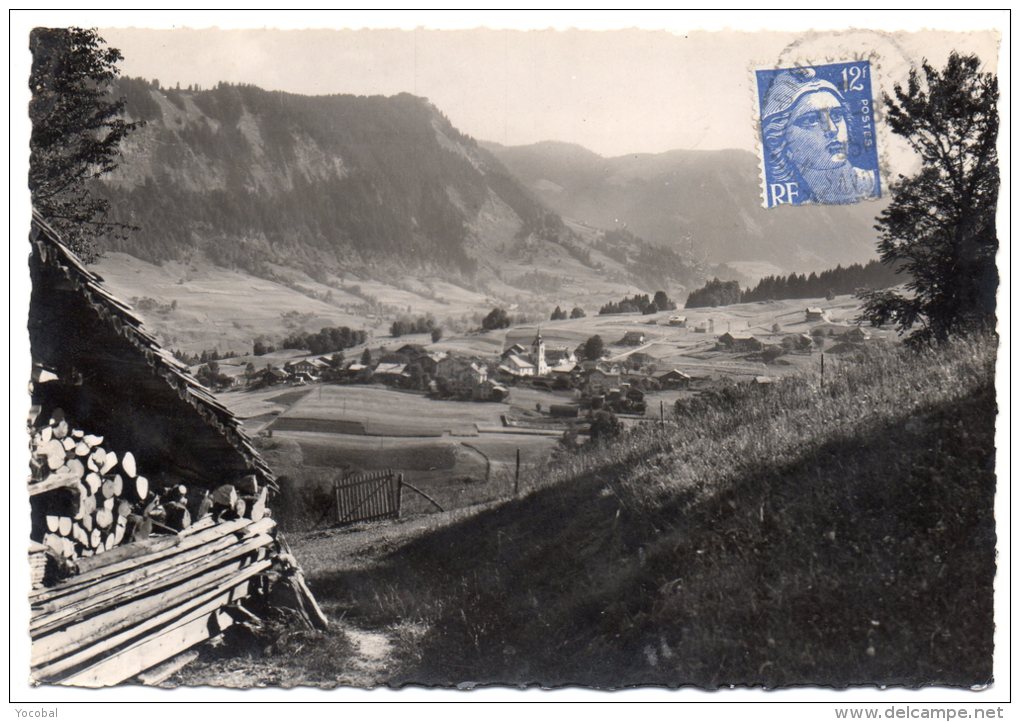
515,350
856,335
412,351
489,391
150,524
356,371
599,381
673,379
560,359
678,321
310,367
740,342
269,376
814,313
632,338
390,373
517,367
461,376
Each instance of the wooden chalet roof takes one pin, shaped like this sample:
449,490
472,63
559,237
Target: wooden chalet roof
103,335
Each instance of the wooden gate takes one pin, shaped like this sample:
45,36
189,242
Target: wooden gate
369,496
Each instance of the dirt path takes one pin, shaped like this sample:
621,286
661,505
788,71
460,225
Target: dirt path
371,657
347,654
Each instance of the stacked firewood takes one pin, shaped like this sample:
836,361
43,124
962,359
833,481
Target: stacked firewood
39,564
143,602
88,499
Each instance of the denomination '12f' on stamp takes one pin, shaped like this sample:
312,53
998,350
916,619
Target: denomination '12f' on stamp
818,134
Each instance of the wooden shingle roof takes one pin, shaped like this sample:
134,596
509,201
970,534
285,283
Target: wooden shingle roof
54,260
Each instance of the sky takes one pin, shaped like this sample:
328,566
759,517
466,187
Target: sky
612,91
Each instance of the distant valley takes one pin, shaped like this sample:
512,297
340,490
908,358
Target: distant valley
353,210
705,204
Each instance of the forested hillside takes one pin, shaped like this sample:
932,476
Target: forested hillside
254,178
840,280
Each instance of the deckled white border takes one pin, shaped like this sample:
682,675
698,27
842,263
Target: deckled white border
727,706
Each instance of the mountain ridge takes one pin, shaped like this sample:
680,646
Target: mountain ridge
706,200
251,178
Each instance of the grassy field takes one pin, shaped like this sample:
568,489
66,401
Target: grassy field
322,432
775,536
384,411
217,307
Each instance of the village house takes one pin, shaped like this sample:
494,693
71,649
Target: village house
856,335
814,313
599,381
632,338
489,390
431,360
415,354
679,321
515,350
461,376
393,374
270,376
356,371
311,368
673,379
517,367
560,360
738,342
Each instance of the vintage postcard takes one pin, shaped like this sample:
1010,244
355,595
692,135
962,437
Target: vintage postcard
509,352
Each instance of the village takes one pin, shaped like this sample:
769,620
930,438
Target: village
463,417
671,353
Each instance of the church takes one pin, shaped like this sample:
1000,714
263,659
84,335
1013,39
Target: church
537,360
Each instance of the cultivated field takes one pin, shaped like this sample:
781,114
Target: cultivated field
464,452
457,452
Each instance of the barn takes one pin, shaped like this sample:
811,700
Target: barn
152,529
673,379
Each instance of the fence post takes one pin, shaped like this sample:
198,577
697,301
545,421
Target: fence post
400,493
517,472
823,371
662,416
336,493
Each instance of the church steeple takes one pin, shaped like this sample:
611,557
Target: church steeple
538,354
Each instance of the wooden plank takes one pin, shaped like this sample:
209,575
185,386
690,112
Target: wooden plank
196,628
164,670
137,575
65,612
139,549
130,556
212,598
57,644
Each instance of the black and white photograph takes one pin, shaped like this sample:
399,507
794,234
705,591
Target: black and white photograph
510,356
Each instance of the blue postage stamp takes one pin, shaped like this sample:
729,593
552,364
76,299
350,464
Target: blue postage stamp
818,134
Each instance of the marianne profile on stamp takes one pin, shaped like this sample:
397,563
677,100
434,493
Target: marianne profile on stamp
813,131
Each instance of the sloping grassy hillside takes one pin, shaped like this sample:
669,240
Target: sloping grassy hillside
779,535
